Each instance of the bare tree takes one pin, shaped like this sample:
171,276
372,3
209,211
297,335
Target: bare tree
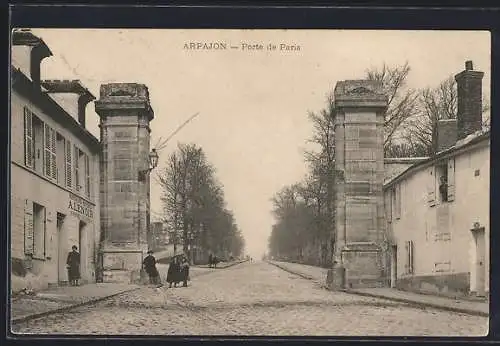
434,104
193,201
402,101
322,177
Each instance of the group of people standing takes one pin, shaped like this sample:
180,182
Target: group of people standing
178,270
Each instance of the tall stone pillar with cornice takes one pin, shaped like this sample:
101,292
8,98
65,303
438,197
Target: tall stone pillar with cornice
125,112
360,106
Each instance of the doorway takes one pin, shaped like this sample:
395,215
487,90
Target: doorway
480,247
81,247
61,250
394,265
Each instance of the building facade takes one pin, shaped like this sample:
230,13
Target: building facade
437,210
54,173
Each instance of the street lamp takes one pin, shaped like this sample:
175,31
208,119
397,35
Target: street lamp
153,162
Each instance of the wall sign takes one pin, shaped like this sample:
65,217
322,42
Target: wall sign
80,206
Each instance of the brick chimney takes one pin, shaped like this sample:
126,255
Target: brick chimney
446,133
71,95
470,105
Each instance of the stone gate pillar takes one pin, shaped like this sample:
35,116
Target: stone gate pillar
125,113
360,107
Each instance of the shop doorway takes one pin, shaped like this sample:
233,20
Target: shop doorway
62,275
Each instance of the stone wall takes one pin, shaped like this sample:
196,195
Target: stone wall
125,134
359,167
456,284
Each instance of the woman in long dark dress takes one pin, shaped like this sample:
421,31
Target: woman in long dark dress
73,265
173,272
184,271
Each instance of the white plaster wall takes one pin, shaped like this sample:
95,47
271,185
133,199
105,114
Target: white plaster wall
68,101
418,220
21,58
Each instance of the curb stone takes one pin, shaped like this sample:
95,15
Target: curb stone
400,300
421,304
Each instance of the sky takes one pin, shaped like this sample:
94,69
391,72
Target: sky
252,104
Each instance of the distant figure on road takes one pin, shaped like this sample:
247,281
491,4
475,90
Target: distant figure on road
210,260
150,267
73,265
173,274
184,271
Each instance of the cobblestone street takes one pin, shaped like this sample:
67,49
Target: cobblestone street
253,299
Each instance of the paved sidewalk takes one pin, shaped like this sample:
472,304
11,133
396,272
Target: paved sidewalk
318,274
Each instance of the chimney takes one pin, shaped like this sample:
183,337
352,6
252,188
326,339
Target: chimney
28,51
470,105
446,134
72,94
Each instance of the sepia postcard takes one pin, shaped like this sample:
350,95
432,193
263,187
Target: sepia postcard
224,182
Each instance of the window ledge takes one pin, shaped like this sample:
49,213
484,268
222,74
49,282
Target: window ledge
32,171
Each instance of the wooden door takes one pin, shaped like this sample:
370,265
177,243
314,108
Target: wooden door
480,262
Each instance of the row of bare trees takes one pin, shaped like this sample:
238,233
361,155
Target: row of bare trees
304,212
194,206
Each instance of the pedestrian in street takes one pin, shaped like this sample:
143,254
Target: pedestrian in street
150,267
210,260
184,271
173,272
73,266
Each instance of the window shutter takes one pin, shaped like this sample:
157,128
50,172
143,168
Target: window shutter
44,230
431,188
410,248
407,262
69,169
28,227
451,180
398,201
77,172
87,175
46,153
28,138
53,159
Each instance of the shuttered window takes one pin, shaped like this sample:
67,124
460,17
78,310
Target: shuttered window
431,188
28,138
39,231
69,164
409,257
451,180
28,228
87,175
49,158
77,168
397,207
